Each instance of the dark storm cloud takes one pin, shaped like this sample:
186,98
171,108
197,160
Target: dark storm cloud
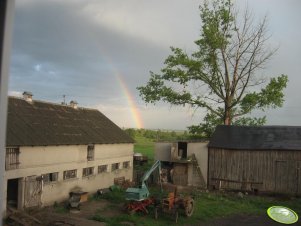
77,57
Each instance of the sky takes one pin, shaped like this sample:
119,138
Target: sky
97,52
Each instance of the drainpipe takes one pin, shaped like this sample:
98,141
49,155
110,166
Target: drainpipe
6,28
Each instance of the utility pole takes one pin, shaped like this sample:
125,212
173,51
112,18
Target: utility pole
64,99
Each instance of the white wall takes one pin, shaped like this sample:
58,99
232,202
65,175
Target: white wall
49,159
162,151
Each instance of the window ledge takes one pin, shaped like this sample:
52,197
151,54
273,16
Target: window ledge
88,177
71,179
50,183
117,171
103,173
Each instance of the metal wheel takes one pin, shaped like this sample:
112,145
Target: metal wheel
189,207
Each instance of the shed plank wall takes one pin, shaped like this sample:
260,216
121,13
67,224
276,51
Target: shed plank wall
265,166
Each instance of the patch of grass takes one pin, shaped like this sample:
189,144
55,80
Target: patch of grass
115,221
136,219
145,146
115,196
208,206
99,218
214,205
60,208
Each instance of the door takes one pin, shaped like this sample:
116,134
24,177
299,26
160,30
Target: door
12,192
33,191
179,174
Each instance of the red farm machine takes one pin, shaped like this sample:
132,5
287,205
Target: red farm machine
139,198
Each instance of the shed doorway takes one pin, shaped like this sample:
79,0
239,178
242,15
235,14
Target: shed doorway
13,194
182,150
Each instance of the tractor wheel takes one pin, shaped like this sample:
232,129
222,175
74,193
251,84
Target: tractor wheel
189,207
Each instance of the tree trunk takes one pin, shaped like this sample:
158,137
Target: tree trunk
227,116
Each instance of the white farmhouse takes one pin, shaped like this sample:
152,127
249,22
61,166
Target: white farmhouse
52,149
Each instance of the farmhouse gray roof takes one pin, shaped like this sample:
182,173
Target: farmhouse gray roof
40,123
256,137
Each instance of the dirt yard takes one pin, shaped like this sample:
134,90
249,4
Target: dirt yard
58,216
51,215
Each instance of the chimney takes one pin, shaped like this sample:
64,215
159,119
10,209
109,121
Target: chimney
27,96
73,104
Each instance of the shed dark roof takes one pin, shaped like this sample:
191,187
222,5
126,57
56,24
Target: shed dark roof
257,137
41,123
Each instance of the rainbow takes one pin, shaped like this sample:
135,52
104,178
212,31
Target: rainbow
129,97
130,100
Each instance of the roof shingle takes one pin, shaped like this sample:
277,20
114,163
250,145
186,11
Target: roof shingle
257,137
41,123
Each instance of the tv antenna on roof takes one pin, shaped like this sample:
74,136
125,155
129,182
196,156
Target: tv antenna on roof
64,100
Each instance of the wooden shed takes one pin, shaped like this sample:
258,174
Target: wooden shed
258,158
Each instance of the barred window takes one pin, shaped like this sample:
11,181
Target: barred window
126,165
12,158
115,166
50,177
103,169
88,171
90,152
68,174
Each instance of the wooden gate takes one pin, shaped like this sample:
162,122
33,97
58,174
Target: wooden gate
33,191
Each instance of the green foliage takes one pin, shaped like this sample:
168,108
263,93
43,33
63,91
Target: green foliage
221,75
149,136
131,132
207,128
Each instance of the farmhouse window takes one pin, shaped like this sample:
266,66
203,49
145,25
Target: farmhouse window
103,169
115,166
50,177
126,165
68,174
90,152
88,171
12,158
